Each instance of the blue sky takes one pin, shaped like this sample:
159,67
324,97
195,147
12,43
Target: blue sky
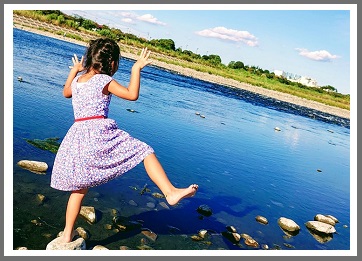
306,40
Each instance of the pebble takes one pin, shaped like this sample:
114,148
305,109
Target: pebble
151,205
132,203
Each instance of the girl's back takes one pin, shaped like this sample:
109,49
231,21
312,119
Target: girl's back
87,97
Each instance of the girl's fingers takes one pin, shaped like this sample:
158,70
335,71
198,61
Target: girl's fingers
144,52
75,59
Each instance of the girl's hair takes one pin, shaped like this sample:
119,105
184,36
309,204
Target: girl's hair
100,55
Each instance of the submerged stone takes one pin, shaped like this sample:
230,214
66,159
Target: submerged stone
149,234
204,210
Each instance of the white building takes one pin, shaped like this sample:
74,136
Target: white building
308,81
297,78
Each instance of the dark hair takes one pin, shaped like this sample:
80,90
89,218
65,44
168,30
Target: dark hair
100,55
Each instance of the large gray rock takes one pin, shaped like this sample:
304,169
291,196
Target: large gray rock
37,167
320,227
57,244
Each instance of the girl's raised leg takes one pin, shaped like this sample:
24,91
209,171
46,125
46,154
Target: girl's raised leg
157,174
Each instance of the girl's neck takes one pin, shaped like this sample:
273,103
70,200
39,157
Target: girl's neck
85,77
91,72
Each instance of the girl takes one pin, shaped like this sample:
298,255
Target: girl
94,150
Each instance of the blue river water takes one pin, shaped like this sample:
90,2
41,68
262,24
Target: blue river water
243,166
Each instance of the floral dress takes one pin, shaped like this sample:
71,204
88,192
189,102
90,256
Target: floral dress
94,150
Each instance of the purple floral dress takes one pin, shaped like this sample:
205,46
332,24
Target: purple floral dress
94,151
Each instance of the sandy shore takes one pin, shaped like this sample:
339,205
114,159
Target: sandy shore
219,80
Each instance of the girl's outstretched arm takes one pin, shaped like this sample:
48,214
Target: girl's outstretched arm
77,67
132,92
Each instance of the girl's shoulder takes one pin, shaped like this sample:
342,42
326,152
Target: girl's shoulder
101,79
103,76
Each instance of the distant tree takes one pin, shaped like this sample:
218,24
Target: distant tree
71,23
167,44
231,64
205,57
238,65
88,24
215,58
187,52
118,34
61,19
329,88
47,12
106,33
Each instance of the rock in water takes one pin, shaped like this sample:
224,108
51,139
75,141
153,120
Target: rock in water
34,166
204,210
57,244
320,227
100,247
288,224
149,234
261,220
89,213
324,219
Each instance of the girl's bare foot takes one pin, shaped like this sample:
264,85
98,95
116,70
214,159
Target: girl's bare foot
68,239
177,194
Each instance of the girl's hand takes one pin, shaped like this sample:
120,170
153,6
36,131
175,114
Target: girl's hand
143,59
77,65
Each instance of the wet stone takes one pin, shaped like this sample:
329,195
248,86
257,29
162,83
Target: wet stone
158,195
204,210
261,220
151,205
149,234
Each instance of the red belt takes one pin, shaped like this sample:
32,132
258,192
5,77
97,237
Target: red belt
91,118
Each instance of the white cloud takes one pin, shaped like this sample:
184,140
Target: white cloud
127,20
230,35
128,14
150,19
321,56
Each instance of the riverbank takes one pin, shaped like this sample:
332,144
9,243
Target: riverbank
343,113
